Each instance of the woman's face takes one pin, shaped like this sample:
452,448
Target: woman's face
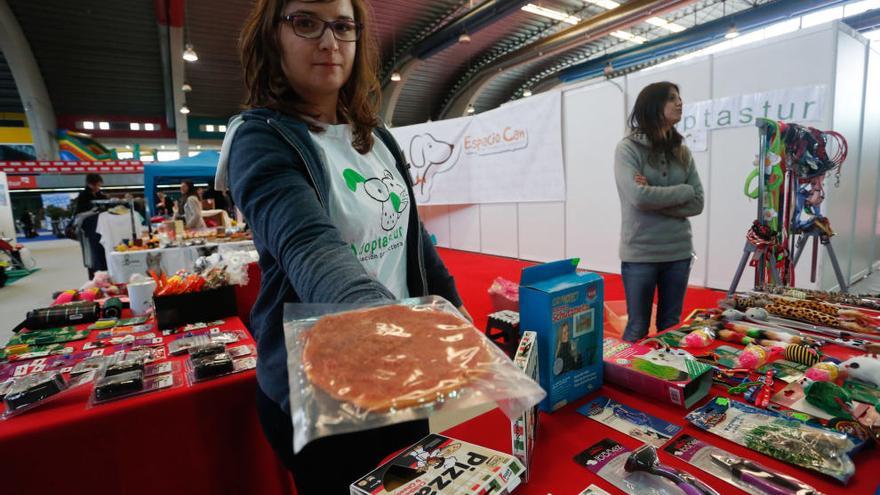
672,109
316,66
184,188
565,333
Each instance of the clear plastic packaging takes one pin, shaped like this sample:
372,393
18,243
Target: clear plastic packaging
630,421
741,472
206,365
125,363
824,451
207,349
183,344
639,471
89,364
136,382
4,387
358,368
37,389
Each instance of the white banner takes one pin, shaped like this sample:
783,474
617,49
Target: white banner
803,104
506,155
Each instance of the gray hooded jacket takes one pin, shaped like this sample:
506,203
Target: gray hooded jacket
655,226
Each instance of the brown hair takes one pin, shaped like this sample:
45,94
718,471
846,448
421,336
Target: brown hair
647,118
267,86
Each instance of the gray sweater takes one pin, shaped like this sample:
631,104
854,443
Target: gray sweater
655,227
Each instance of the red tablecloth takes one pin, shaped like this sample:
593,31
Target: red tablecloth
204,439
565,433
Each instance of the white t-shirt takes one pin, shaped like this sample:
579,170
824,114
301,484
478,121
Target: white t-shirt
114,228
368,204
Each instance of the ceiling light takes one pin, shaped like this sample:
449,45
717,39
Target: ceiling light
134,126
88,125
624,35
149,127
663,23
731,32
209,128
189,54
186,88
104,126
395,76
184,109
527,93
471,109
221,128
550,13
608,4
464,38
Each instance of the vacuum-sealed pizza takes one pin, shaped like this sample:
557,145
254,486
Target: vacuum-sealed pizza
379,365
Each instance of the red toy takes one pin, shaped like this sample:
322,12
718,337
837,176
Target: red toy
764,395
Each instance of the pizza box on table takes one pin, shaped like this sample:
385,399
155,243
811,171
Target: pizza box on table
564,307
442,465
667,375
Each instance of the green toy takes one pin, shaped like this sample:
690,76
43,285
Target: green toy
830,398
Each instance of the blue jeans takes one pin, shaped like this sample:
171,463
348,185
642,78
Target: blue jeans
639,282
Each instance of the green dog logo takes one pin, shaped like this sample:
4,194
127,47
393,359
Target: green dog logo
386,190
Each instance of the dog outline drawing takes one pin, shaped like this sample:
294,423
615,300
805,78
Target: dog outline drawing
385,190
430,156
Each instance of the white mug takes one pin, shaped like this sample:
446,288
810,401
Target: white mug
140,296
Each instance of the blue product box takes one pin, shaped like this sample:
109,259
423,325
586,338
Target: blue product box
565,308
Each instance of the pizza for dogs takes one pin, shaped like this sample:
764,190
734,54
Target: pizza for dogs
393,356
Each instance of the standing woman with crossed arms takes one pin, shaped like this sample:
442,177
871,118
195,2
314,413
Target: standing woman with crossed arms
659,189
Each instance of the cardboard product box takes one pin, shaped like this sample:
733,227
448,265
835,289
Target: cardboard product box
669,376
443,465
564,307
524,430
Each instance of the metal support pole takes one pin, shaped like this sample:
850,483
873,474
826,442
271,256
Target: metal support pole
826,241
799,250
762,157
29,81
747,251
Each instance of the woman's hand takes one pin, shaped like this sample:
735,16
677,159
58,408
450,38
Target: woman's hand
641,180
464,312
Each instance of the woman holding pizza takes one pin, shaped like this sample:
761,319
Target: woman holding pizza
326,191
659,189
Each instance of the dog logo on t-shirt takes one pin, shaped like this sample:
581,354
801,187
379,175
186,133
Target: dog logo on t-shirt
391,193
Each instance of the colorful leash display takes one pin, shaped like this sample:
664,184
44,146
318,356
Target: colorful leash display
790,171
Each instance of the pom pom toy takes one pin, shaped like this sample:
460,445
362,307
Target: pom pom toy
823,372
699,338
65,297
89,294
753,357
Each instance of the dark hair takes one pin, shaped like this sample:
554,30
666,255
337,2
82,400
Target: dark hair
190,188
267,86
92,179
647,118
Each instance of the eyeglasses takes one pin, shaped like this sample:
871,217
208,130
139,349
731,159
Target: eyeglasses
311,27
